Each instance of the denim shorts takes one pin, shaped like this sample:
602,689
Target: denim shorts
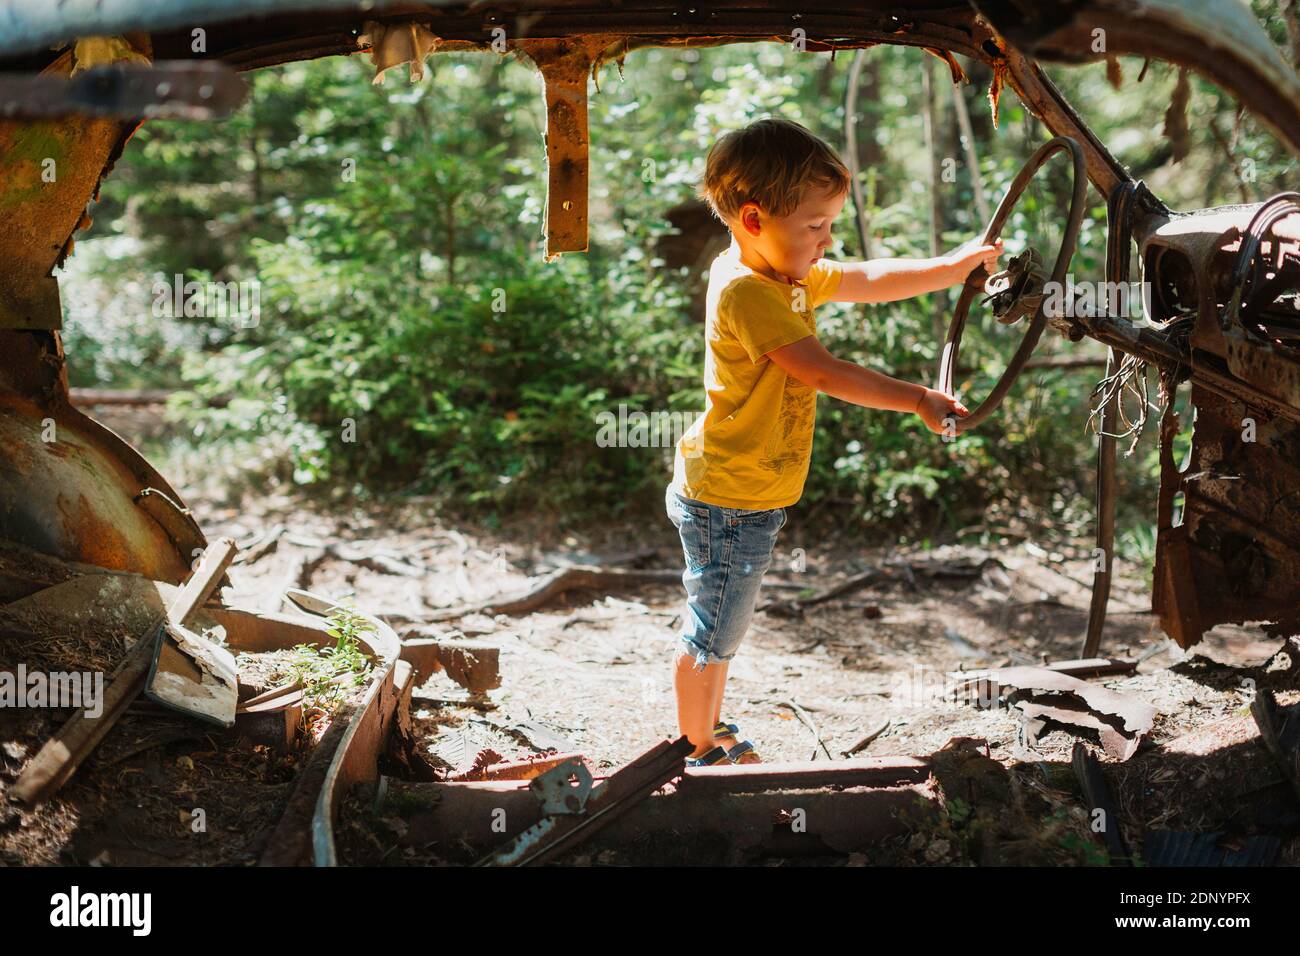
727,551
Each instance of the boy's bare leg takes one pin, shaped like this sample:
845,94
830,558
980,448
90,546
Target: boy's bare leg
722,686
699,694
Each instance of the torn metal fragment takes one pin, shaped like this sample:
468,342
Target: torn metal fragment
565,66
1037,714
392,44
1041,693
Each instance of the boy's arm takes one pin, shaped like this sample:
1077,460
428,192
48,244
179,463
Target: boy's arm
808,361
888,280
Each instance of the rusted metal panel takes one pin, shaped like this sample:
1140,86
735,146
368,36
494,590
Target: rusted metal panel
357,759
1236,555
837,819
51,170
515,770
797,775
273,717
1269,368
174,518
1093,666
784,822
747,778
72,488
1134,716
348,754
566,66
1041,693
560,831
70,485
472,664
1036,717
1175,597
424,654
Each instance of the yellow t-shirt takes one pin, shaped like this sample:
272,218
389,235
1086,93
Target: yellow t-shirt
752,446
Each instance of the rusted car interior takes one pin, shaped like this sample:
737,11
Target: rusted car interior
1224,315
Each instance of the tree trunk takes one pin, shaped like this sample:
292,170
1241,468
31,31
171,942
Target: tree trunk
972,158
928,115
255,174
862,214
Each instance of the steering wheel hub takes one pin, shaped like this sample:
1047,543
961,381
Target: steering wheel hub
1017,290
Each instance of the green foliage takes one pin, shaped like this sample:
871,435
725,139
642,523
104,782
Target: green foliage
327,673
413,339
1137,545
1084,850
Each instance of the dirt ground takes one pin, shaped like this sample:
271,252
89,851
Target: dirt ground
594,670
160,789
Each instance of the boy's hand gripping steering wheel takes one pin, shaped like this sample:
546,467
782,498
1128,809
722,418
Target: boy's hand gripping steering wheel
975,281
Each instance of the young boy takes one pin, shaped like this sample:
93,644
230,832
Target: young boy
778,188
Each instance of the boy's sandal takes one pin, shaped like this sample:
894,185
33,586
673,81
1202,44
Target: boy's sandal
716,755
740,749
724,729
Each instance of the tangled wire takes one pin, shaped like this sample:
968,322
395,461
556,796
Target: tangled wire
1131,377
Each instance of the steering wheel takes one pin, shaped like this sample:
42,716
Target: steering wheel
975,281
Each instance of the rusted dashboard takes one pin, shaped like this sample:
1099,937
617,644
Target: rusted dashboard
1223,290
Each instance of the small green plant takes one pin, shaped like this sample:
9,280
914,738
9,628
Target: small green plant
1138,545
959,811
327,672
1089,852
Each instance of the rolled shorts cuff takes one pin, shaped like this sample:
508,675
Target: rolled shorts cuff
702,656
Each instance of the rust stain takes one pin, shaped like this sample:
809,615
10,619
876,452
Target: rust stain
1234,558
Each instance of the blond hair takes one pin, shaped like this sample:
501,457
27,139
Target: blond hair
773,162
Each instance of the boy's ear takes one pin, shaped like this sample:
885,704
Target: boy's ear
749,218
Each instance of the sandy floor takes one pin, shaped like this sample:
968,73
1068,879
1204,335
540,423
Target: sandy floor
594,670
